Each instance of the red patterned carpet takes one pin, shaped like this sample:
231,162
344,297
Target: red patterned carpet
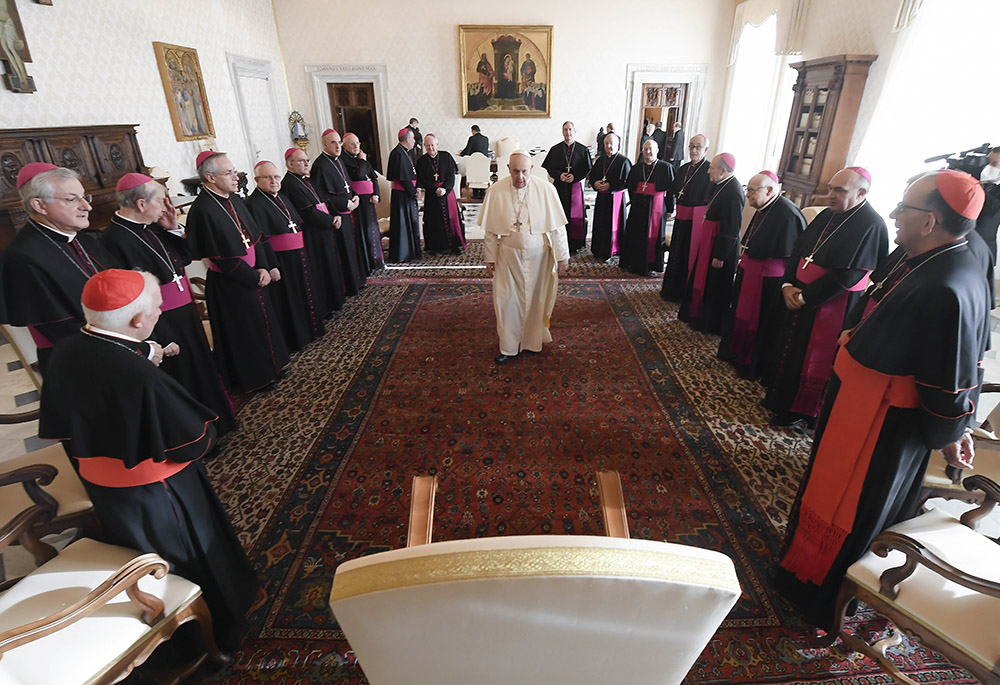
404,383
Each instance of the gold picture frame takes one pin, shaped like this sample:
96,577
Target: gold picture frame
184,89
521,86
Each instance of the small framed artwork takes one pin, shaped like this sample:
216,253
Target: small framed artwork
184,88
506,71
14,50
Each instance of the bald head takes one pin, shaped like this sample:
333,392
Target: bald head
719,170
848,189
267,178
697,148
761,190
332,144
650,150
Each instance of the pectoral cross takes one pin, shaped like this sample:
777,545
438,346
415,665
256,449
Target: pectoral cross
179,282
292,226
435,177
246,240
568,168
644,184
347,188
517,224
808,260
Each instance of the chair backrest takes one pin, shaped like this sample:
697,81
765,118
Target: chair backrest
384,206
533,610
477,167
810,213
25,349
504,146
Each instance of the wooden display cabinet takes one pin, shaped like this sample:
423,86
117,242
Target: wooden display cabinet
828,95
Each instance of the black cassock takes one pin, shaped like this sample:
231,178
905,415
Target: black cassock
42,275
645,228
576,160
693,189
404,229
104,399
321,244
609,207
250,349
329,178
443,228
710,290
846,247
163,254
939,299
751,326
301,320
364,183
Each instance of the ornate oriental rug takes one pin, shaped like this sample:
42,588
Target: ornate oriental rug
404,384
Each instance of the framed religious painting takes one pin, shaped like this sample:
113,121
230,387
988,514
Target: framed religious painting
506,71
14,50
184,88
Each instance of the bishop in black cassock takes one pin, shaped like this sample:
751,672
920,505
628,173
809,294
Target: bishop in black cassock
751,325
302,322
649,186
890,401
329,178
318,232
144,234
824,277
609,177
568,163
43,270
364,183
404,231
137,437
443,227
693,189
710,284
250,349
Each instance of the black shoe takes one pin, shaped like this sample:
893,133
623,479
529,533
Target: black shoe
502,358
786,420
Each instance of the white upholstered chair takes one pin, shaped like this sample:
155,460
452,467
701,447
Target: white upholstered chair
504,146
810,213
477,167
24,347
92,613
538,609
937,579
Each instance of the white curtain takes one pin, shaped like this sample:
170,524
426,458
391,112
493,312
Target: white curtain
790,28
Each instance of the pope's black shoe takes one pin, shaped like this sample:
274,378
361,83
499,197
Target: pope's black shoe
502,358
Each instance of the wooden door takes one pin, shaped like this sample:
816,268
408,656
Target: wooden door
353,108
661,102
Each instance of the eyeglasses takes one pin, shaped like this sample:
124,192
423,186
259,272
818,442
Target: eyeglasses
695,147
751,189
75,200
900,207
270,178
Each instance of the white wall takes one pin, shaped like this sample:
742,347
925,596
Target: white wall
592,43
94,64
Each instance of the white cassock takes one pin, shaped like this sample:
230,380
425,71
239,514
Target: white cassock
526,273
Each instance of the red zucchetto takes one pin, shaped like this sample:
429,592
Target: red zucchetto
962,192
862,172
771,175
132,180
29,171
730,159
402,133
290,151
262,163
329,130
202,156
112,289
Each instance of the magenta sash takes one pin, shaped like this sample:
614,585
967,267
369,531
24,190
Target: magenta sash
363,187
454,222
746,320
41,342
576,229
397,185
822,346
250,258
655,216
710,229
283,242
174,298
696,215
617,225
322,208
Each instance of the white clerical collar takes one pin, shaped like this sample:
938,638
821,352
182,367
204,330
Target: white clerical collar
224,197
131,221
111,334
70,237
770,202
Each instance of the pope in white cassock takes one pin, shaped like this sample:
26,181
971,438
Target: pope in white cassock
526,252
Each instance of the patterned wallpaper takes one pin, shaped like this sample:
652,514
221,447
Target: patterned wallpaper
592,44
94,64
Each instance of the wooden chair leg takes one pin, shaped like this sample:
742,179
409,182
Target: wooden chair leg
421,511
609,487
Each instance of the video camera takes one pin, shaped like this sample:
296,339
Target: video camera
970,161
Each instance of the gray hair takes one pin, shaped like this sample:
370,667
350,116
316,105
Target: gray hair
120,318
130,198
41,186
210,166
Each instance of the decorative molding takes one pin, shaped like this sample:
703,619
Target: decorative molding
321,75
241,66
694,75
908,10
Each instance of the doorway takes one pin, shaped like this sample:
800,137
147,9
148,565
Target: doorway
661,103
352,106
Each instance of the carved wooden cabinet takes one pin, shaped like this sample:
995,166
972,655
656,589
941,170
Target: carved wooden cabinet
828,95
101,154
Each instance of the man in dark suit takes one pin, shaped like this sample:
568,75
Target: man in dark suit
477,143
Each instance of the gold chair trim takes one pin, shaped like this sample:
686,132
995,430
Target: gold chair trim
533,562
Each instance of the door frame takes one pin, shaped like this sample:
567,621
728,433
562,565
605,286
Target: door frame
320,75
239,66
693,75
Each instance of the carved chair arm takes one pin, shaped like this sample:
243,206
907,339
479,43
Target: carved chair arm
32,478
125,578
916,553
22,417
21,527
992,496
